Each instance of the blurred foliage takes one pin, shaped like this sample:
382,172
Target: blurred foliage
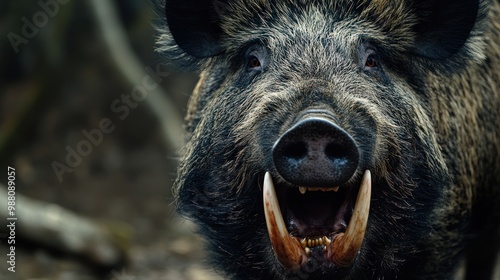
64,56
62,81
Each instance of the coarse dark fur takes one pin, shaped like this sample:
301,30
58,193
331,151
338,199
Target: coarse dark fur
426,120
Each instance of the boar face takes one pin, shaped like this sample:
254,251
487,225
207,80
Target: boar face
312,151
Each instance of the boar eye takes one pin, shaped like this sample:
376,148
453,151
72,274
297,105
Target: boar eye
255,59
253,63
371,61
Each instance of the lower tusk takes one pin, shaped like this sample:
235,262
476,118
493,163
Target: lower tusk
287,249
345,247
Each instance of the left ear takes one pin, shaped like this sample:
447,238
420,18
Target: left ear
194,25
443,26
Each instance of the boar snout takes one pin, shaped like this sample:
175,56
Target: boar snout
316,152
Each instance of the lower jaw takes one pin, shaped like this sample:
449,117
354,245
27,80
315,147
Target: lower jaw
339,249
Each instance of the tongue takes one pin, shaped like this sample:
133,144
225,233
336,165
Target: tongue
341,251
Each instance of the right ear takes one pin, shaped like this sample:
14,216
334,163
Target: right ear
444,26
195,26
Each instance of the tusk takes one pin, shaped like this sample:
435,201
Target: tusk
345,247
287,249
302,190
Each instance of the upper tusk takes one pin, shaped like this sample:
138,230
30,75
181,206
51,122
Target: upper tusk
287,249
345,247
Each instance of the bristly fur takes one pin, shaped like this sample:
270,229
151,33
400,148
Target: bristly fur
426,123
395,19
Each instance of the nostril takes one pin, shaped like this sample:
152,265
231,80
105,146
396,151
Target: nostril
295,150
335,151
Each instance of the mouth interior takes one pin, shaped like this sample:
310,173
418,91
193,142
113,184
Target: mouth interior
314,214
316,220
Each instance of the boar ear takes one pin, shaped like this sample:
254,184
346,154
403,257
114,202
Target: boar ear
443,26
194,25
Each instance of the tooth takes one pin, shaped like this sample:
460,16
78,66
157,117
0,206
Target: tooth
326,240
302,190
303,242
345,247
308,251
287,249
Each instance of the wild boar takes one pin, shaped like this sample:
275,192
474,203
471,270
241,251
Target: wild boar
341,139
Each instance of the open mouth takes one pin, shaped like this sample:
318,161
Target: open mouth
328,224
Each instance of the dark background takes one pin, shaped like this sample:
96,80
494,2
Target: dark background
62,81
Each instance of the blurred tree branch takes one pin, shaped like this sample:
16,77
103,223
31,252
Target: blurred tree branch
55,227
130,66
